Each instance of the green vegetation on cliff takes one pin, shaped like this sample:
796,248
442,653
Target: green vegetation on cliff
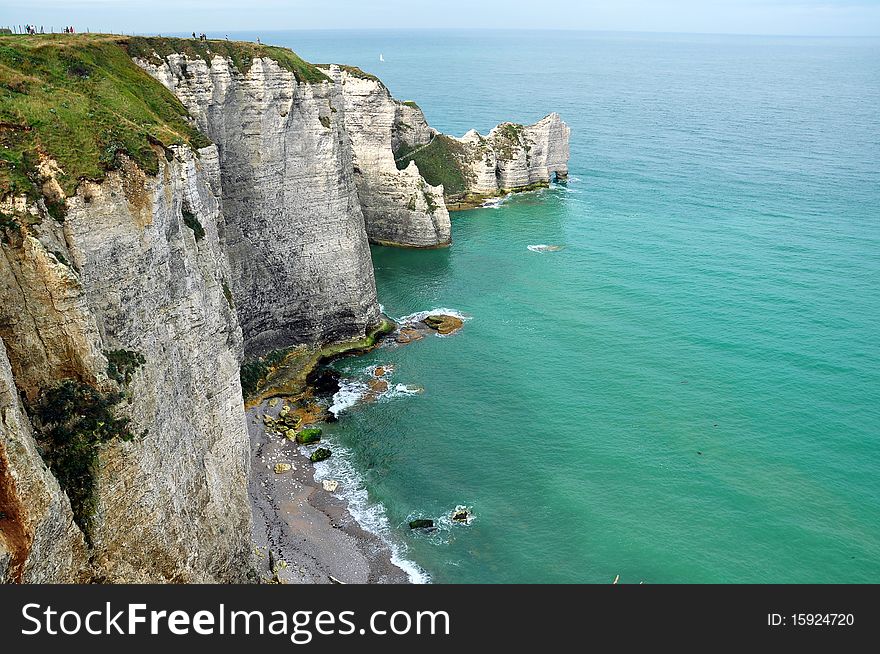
74,420
122,364
81,100
439,163
508,138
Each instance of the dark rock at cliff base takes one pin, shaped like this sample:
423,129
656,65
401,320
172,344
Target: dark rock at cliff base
321,454
325,382
421,524
444,324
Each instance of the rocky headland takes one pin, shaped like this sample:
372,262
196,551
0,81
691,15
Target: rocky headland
185,232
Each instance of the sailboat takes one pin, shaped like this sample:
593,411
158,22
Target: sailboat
382,58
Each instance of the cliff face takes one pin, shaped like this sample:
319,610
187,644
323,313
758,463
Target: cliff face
294,233
124,273
400,207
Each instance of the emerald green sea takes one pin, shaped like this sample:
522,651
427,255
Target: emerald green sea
688,391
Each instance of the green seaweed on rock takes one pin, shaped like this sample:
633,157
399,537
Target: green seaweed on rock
309,436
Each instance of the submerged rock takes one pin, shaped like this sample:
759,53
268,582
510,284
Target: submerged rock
421,524
321,454
409,335
309,436
444,324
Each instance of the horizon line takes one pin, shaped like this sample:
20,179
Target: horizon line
477,29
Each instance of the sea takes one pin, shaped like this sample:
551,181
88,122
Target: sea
684,387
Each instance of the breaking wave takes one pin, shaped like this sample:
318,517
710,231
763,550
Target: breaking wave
544,248
369,515
421,315
349,393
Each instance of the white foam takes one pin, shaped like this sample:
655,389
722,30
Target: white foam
544,248
370,516
445,527
350,391
401,390
494,203
421,315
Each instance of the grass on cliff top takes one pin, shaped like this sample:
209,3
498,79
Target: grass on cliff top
241,53
354,71
439,163
82,101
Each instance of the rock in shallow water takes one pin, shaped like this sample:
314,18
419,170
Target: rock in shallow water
321,454
421,524
330,485
409,335
444,324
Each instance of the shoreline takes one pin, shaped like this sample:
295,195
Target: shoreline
313,533
313,536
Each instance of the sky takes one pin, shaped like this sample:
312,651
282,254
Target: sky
777,17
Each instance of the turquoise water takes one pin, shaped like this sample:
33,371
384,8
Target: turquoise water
718,293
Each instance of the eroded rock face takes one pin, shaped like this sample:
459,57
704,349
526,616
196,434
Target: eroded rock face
510,158
126,272
532,154
516,156
400,208
39,542
45,320
294,232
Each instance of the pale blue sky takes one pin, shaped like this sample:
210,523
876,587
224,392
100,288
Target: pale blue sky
801,17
